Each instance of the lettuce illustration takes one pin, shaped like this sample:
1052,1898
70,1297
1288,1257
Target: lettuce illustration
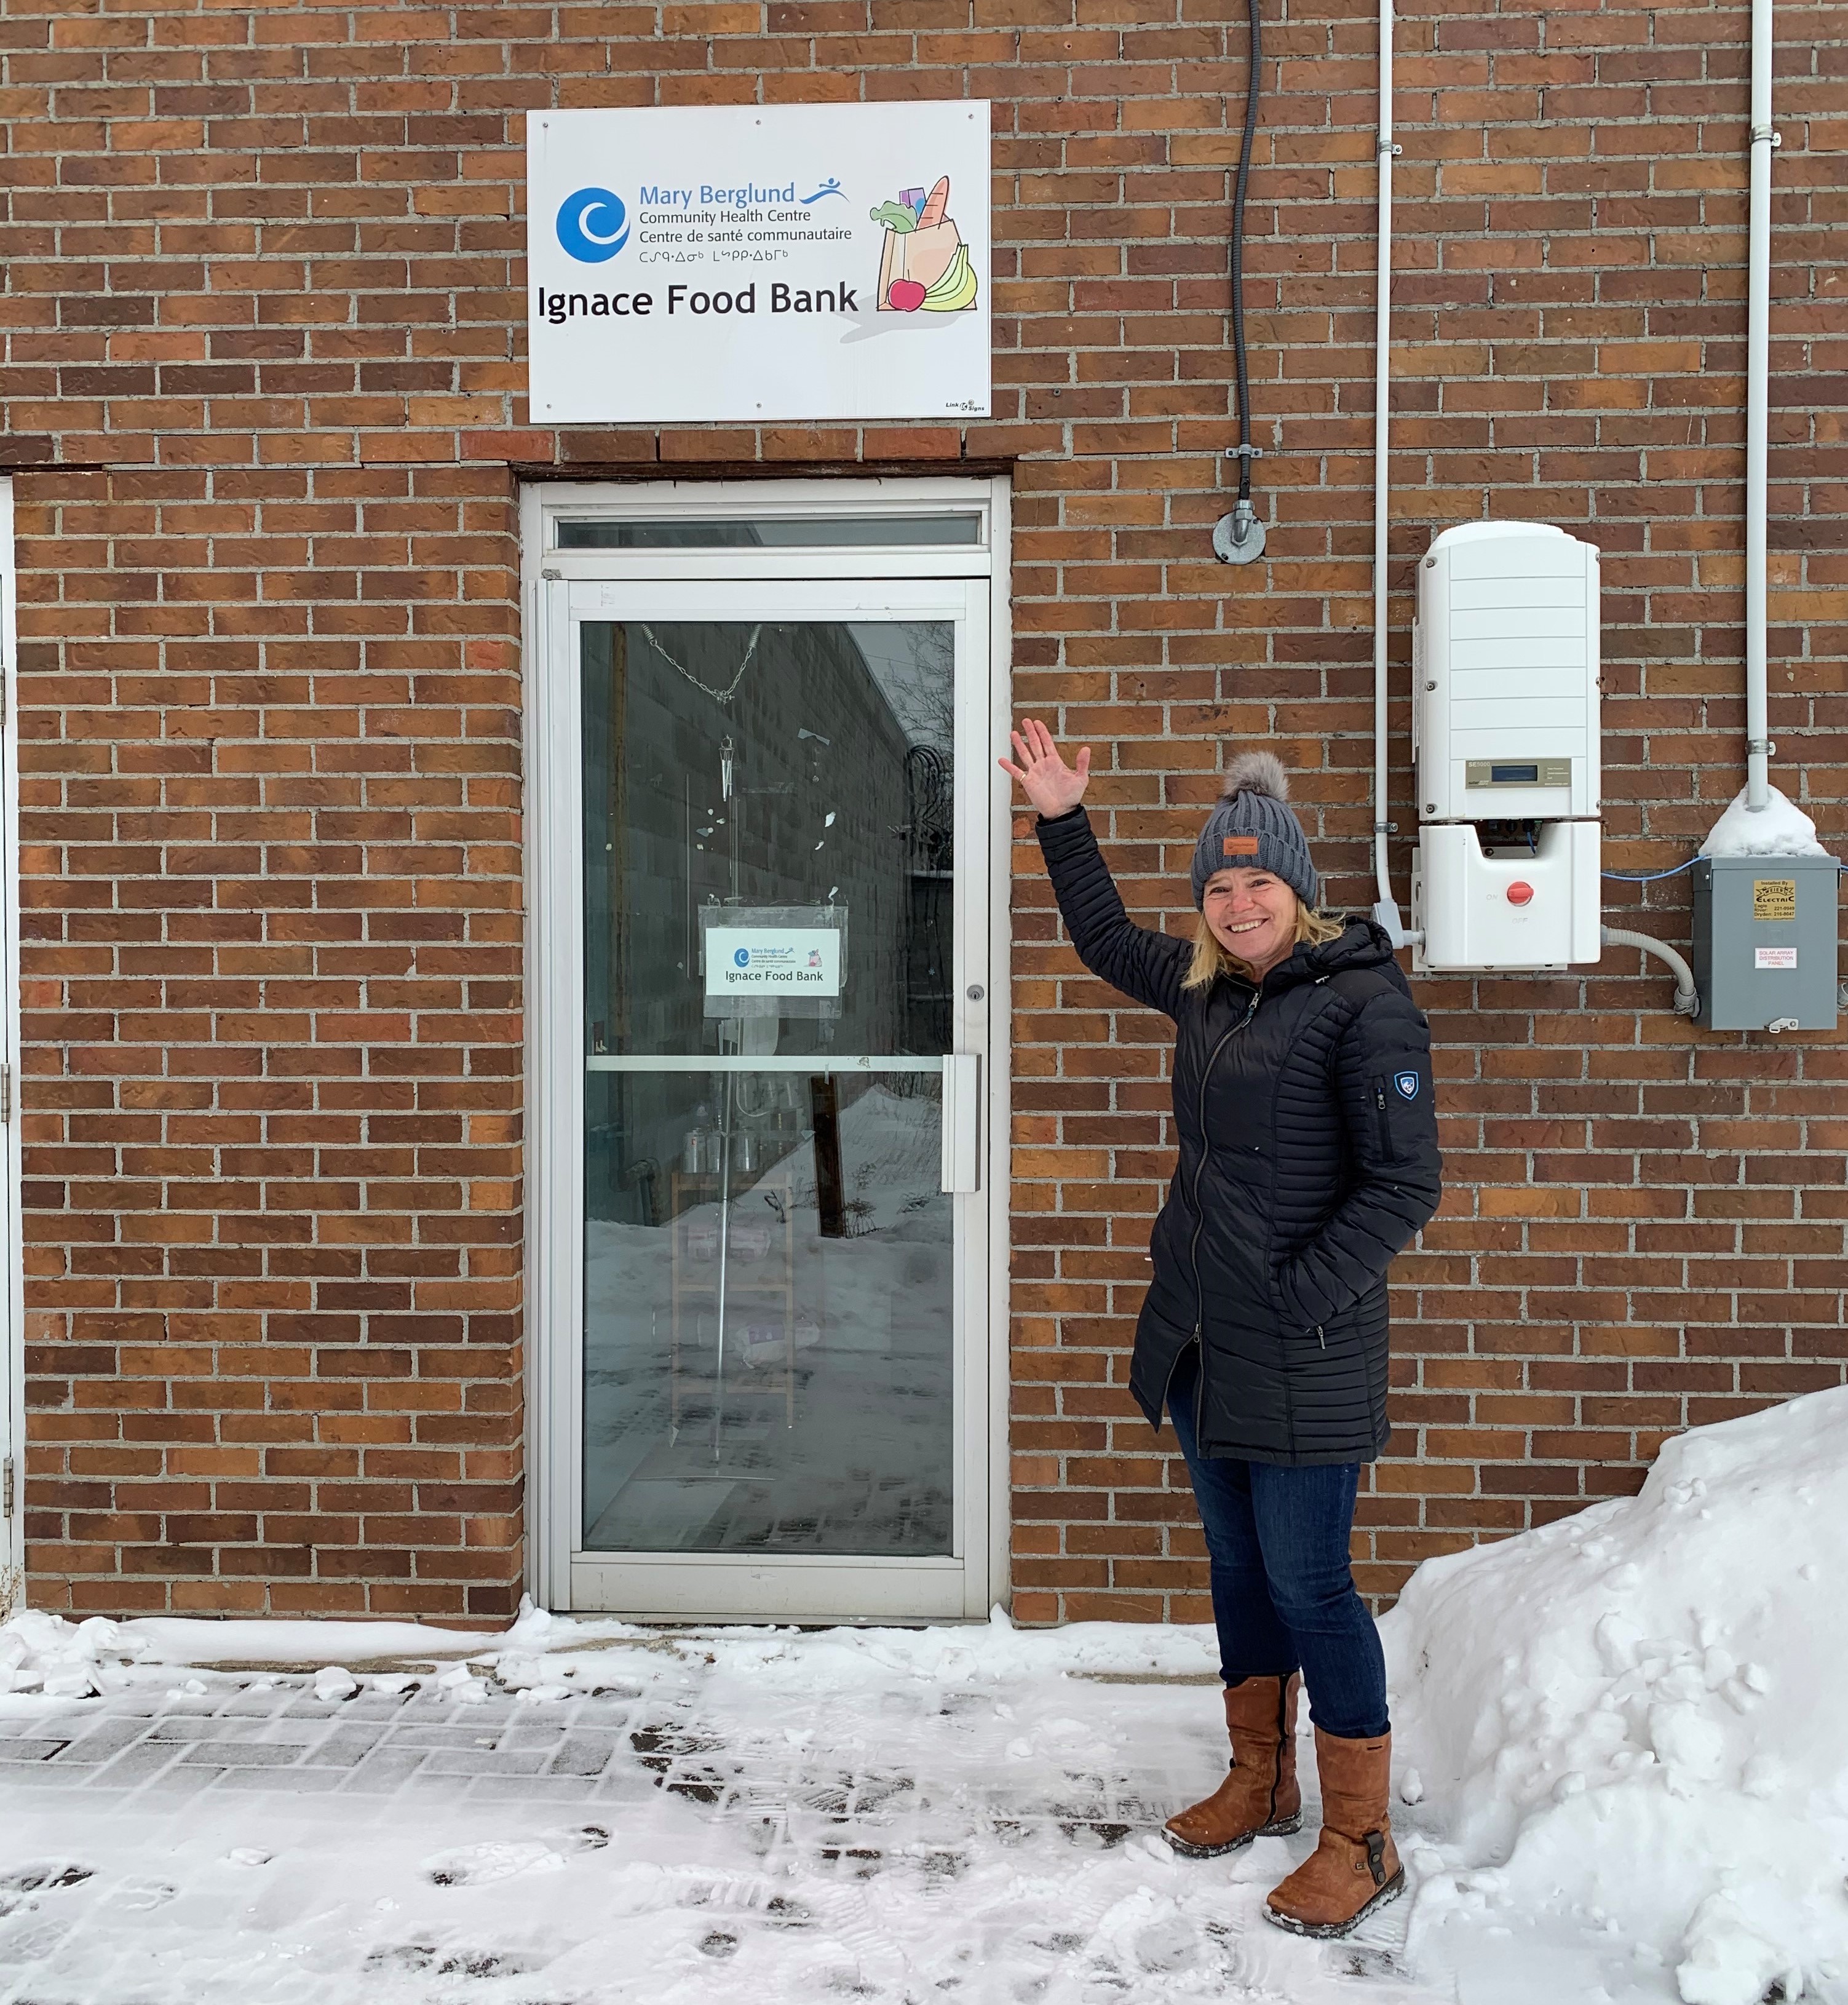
894,215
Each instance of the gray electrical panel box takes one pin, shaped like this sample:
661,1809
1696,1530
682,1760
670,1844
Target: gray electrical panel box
1765,942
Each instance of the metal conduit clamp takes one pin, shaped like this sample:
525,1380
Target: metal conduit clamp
1239,538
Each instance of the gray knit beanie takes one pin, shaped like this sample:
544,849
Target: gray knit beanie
1253,828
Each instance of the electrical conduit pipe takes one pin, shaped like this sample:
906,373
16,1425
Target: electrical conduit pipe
1386,910
1239,538
1758,372
1687,997
1758,398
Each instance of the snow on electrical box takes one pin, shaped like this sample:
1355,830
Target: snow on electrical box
1505,738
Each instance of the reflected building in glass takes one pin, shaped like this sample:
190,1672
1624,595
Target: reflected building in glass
769,1360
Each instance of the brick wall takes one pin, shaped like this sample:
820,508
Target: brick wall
271,940
263,387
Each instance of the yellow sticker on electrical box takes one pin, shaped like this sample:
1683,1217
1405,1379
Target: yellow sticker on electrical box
1774,898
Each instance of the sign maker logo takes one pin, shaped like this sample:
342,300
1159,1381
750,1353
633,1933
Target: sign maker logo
593,225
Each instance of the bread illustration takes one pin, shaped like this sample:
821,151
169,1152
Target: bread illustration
924,264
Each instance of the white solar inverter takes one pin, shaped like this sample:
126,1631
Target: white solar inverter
1504,739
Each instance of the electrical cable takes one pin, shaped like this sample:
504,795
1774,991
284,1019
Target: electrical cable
1238,255
1648,876
1656,876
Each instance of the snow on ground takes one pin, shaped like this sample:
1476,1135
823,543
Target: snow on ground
1632,1720
759,1816
1630,1785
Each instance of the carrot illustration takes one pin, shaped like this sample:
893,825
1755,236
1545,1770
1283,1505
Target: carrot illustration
937,206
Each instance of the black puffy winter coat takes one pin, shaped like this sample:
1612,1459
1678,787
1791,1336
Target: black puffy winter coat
1308,1158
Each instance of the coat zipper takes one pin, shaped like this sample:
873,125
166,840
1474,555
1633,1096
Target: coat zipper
1206,1075
1386,1147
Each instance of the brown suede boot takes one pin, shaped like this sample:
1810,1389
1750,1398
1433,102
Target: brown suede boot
1355,1866
1259,1797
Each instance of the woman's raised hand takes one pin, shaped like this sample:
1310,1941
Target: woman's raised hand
1052,786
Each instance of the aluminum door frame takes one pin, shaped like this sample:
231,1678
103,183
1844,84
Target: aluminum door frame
967,587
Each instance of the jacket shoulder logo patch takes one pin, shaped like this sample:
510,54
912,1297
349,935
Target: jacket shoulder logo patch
1407,1084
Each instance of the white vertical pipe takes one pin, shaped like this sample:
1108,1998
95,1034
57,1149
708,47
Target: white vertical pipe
1387,912
1757,375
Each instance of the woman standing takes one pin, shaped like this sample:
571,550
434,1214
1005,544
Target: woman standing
1308,1158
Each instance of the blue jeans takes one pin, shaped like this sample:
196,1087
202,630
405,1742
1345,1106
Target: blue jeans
1284,1598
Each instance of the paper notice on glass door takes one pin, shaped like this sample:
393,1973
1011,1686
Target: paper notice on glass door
773,961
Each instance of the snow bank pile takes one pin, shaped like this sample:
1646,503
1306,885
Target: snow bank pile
42,1656
40,1653
1780,828
1642,1710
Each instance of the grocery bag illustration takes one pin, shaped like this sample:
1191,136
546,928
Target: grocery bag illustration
924,264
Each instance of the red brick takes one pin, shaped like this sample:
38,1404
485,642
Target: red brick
269,728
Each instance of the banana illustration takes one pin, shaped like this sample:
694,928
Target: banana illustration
925,266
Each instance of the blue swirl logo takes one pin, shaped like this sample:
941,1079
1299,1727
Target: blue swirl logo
742,955
593,225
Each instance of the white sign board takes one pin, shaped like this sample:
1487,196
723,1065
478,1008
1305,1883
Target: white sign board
773,961
758,263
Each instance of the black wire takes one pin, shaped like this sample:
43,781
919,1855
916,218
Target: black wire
1238,253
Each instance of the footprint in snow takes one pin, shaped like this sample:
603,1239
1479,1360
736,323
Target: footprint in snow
477,1865
139,1895
423,1956
36,1879
16,1887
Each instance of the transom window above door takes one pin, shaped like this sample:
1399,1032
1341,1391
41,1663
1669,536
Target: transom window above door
769,532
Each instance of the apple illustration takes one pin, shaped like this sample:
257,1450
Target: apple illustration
906,294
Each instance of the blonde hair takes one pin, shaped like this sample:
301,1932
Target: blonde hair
1210,960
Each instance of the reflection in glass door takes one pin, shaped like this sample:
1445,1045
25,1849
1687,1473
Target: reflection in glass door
769,1362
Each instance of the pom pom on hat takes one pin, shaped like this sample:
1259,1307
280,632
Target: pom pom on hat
1257,773
1252,824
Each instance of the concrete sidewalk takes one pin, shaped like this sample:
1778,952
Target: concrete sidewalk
681,1820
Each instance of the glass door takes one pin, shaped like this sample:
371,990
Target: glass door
781,935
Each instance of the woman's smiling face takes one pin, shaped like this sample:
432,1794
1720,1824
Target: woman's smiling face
1253,915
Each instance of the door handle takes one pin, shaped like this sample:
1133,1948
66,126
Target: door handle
962,1121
